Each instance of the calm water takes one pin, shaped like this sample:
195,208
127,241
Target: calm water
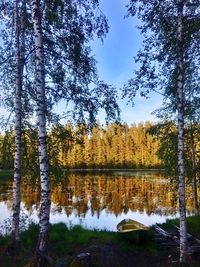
100,200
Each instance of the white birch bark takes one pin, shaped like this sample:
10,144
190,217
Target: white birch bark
180,105
19,40
41,120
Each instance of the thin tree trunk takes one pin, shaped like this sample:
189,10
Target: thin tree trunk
41,120
19,38
181,164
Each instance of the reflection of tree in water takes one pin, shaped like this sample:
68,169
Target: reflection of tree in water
95,204
114,194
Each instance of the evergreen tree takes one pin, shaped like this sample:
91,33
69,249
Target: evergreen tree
8,150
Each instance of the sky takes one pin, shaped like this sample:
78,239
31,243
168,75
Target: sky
116,63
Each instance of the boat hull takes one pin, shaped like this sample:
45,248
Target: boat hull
133,231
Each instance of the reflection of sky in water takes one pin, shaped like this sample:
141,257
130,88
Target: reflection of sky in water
5,212
100,201
103,220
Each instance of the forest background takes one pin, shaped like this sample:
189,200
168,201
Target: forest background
116,145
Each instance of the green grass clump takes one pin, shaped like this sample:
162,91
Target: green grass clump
63,240
57,232
6,173
4,240
193,225
169,224
58,243
29,237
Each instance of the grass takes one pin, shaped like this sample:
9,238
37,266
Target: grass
62,239
193,225
5,173
64,242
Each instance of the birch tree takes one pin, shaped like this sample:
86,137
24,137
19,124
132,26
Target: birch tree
70,67
171,47
180,127
41,121
20,46
63,56
64,68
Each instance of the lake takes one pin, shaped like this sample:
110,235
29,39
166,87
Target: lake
100,200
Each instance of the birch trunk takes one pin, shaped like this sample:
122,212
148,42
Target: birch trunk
19,40
180,105
41,120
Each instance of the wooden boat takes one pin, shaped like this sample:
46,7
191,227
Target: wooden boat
133,231
129,225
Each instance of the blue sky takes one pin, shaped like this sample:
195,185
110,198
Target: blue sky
115,59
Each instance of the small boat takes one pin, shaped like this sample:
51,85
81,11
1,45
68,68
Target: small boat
133,231
129,225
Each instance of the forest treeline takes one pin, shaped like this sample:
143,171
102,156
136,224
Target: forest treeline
142,145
